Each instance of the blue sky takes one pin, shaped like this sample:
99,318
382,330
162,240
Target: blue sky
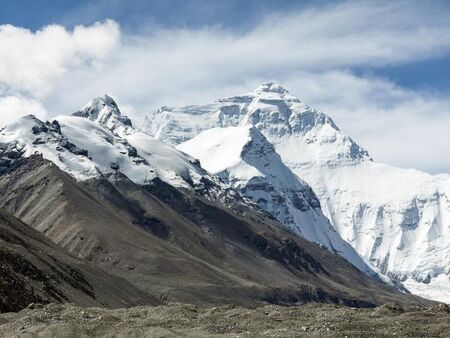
133,15
380,69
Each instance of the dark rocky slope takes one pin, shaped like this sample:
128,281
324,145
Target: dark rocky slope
181,246
33,269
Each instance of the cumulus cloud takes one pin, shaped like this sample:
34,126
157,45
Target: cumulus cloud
33,61
311,52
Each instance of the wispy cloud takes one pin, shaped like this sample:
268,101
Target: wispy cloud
312,52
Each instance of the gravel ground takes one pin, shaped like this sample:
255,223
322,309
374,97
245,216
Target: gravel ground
183,320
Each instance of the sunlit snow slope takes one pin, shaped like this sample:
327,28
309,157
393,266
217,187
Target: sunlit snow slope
244,158
102,141
397,219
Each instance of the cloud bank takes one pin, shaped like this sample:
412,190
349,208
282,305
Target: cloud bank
314,53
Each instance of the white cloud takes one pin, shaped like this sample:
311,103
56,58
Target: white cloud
33,61
13,106
310,52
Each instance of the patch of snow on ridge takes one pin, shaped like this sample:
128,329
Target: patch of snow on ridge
28,136
220,149
106,150
137,155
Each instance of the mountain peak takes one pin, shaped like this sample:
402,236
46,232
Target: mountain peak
275,112
93,108
271,87
104,110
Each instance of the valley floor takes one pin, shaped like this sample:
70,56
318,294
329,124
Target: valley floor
177,320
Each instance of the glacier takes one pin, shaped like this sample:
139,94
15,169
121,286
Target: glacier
397,219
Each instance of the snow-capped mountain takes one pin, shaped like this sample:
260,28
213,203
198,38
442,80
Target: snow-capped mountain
244,158
397,219
186,236
274,111
99,140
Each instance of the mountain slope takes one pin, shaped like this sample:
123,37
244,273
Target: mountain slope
35,270
64,142
181,235
397,219
180,246
244,158
94,142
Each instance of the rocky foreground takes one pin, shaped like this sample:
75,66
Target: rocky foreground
175,320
